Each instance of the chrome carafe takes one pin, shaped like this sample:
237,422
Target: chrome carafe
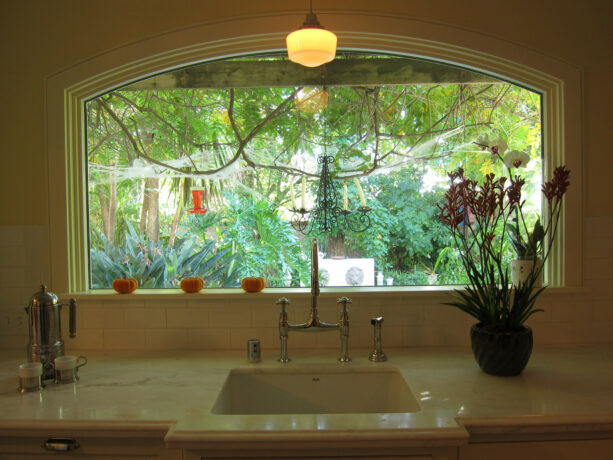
45,327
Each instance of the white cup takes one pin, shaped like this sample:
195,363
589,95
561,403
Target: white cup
30,377
66,368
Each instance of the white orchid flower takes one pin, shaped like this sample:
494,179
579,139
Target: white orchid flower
516,159
500,145
483,139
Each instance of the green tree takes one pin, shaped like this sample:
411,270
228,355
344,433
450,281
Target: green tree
263,243
405,231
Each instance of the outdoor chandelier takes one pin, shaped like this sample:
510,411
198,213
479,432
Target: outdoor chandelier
327,216
311,45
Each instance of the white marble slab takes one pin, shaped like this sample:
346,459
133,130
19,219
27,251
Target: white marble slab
560,388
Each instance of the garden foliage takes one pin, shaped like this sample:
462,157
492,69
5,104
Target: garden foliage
155,265
245,146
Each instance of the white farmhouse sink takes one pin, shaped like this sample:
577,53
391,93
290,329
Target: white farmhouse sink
321,390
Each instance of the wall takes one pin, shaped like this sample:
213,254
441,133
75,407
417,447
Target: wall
40,39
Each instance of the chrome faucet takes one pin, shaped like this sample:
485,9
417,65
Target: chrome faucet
313,323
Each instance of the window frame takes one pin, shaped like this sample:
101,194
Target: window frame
67,92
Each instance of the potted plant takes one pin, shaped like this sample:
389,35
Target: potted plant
430,273
479,215
528,246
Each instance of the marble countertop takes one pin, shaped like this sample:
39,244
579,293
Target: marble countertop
559,389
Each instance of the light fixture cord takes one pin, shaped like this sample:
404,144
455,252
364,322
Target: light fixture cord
311,19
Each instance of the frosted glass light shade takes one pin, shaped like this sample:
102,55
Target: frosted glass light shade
311,47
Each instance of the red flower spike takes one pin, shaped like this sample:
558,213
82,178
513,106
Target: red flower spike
558,185
514,191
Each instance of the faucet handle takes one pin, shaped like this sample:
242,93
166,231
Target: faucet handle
283,301
344,301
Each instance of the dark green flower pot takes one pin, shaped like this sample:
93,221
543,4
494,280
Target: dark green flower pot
501,353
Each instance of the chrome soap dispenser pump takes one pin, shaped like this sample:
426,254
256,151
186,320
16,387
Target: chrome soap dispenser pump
45,328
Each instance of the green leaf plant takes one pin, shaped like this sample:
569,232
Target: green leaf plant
155,265
527,245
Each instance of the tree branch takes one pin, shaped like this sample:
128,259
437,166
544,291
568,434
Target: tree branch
139,153
231,117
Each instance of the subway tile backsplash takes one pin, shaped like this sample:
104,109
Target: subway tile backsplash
212,322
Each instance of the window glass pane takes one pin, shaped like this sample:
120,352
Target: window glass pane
214,170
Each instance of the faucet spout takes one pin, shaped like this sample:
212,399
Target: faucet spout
314,274
313,323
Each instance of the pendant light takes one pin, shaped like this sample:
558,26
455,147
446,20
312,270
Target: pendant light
311,45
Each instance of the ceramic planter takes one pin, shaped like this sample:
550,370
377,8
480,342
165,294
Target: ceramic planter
521,268
501,353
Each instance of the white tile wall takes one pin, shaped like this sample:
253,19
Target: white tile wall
212,322
24,266
214,339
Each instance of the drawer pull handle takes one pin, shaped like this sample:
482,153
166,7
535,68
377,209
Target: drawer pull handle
60,444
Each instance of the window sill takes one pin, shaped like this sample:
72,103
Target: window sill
431,293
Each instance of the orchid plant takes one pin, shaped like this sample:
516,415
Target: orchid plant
528,244
478,215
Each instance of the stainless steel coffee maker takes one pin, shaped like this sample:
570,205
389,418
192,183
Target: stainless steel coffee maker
46,329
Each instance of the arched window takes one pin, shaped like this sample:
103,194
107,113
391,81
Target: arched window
68,93
217,170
